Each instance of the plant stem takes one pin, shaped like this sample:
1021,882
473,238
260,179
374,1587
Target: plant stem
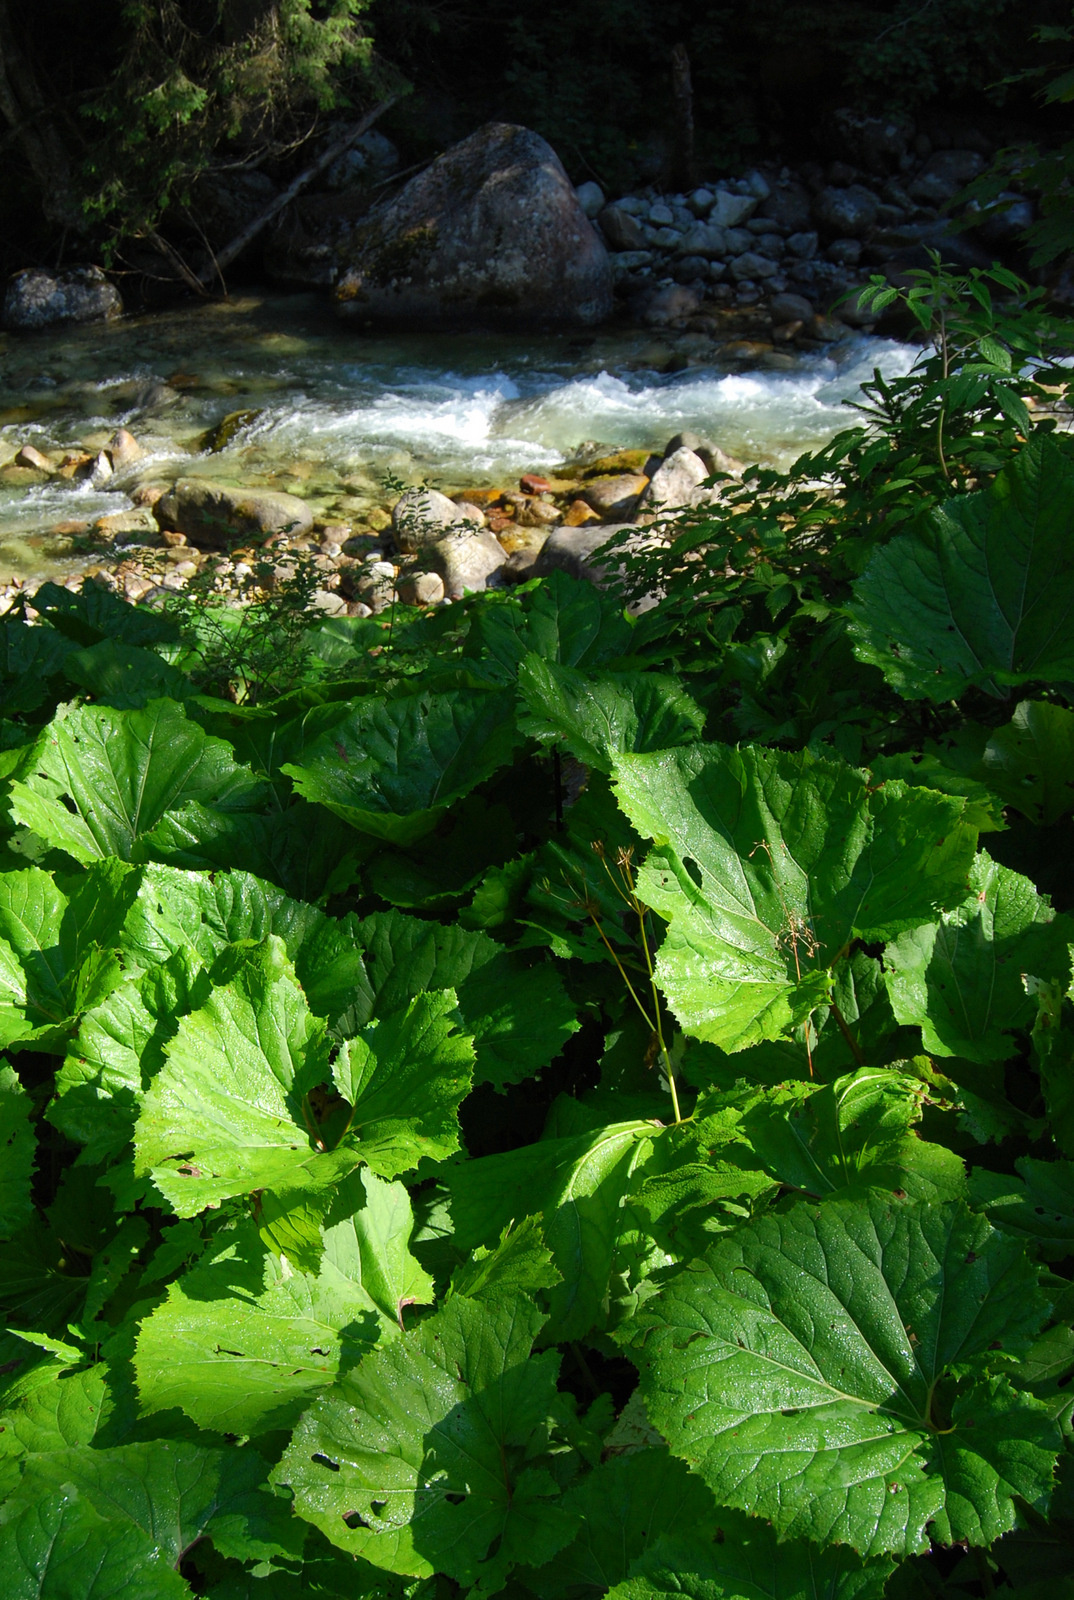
855,1047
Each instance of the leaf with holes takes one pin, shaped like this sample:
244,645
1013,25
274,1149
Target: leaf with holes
241,1345
121,772
807,1368
433,1454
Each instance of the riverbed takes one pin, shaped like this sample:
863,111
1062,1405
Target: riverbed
344,419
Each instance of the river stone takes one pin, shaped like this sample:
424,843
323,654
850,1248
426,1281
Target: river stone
491,232
421,516
214,516
466,558
590,197
620,229
574,551
846,213
750,265
784,308
704,239
615,497
421,589
789,206
944,174
676,482
732,210
39,299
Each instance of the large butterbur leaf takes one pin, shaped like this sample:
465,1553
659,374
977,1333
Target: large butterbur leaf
625,1506
241,1345
749,1562
606,715
431,1455
566,621
56,949
99,780
962,979
518,1014
391,768
232,1111
981,592
767,865
827,1369
17,1149
229,1111
577,1185
85,1523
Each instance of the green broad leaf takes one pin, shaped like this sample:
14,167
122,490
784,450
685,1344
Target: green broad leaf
41,1286
118,1051
58,1546
70,1408
576,1185
519,1015
1038,1204
1030,762
55,955
853,1135
611,714
984,808
241,1344
566,621
125,676
767,865
391,768
98,781
135,1510
1001,1448
1053,1043
93,614
751,1563
203,914
518,1265
962,979
431,1455
980,592
624,1507
404,1078
443,867
299,850
804,1366
229,1112
30,658
18,1146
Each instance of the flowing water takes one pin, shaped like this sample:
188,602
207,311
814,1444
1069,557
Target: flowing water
341,418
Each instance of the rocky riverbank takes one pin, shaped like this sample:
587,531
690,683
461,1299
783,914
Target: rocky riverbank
429,548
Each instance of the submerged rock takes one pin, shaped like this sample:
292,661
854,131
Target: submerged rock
492,232
39,299
216,517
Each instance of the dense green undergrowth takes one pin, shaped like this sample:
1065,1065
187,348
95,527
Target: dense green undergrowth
561,1103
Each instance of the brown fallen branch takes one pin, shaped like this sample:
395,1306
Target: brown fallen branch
337,148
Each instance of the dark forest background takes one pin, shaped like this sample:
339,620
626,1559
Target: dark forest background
113,111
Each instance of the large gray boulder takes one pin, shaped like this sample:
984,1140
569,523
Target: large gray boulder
490,233
39,299
215,516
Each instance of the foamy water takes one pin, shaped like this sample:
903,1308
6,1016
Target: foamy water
340,418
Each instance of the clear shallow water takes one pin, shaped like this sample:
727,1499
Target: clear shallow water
339,415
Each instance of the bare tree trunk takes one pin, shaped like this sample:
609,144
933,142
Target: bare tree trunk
25,109
338,147
682,91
